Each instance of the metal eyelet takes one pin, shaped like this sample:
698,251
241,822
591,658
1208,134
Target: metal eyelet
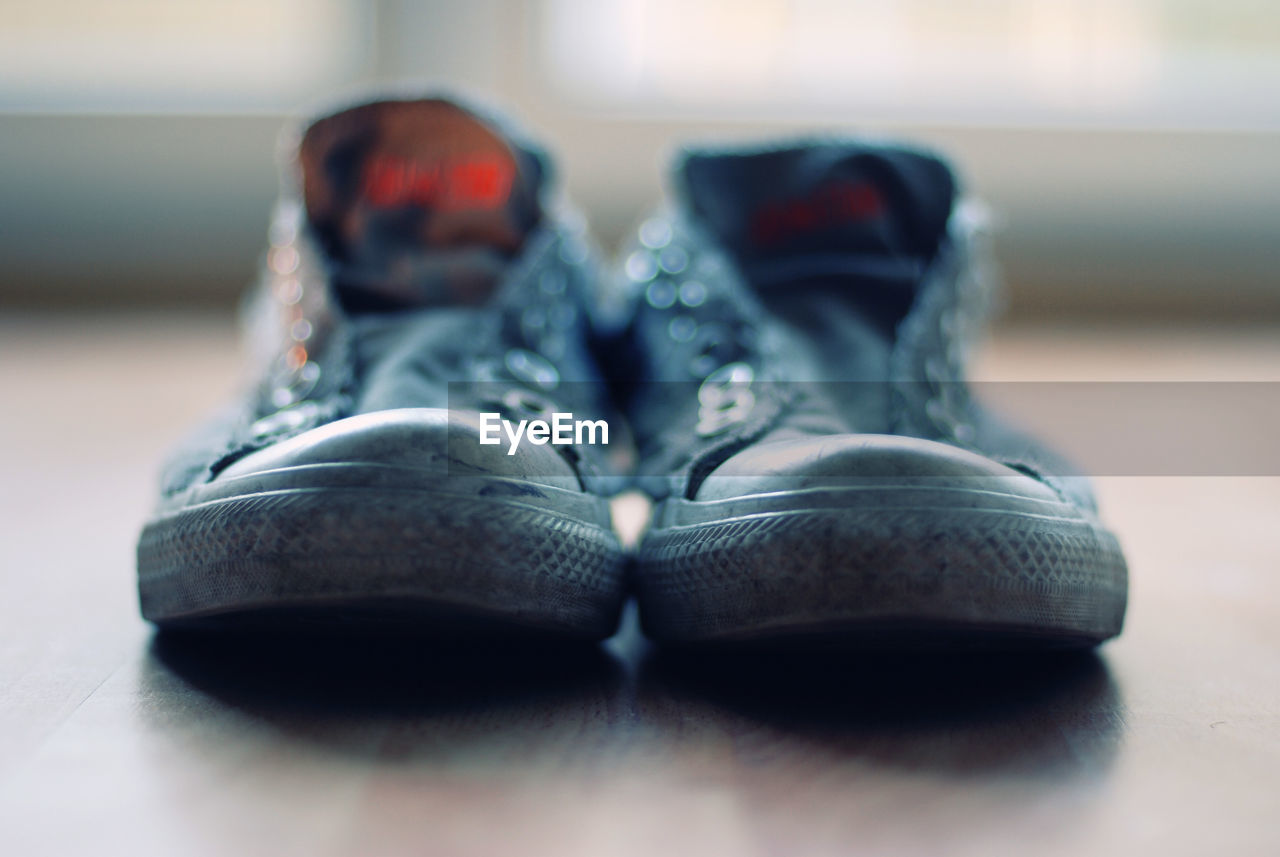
283,259
285,420
661,294
294,385
682,328
692,293
283,397
725,398
641,267
305,379
283,231
673,259
655,233
525,403
729,374
288,290
532,368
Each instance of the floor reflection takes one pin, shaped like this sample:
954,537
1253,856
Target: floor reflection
1046,715
388,698
1051,716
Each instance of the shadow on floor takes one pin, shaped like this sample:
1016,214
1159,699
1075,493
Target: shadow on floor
354,677
1051,715
377,701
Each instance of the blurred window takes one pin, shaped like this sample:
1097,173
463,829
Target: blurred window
1110,63
95,56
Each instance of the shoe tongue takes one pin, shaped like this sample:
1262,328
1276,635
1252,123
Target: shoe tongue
418,203
861,208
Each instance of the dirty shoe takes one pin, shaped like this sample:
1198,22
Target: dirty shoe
419,294
797,329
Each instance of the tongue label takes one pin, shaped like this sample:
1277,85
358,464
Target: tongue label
834,204
480,182
823,199
420,203
412,177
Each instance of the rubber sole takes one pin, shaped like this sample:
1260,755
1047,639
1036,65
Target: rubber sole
381,560
882,567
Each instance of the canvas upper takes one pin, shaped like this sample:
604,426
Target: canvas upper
418,260
803,293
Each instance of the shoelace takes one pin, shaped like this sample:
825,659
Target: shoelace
711,343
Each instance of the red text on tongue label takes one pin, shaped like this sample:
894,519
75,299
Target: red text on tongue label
831,204
469,183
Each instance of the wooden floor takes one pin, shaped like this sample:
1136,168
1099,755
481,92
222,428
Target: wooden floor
113,741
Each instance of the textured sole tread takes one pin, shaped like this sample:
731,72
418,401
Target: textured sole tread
352,556
877,576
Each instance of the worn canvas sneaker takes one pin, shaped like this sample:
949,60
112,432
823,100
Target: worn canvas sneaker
418,280
823,473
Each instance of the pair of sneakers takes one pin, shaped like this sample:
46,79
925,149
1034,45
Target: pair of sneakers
454,387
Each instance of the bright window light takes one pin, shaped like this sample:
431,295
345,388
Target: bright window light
165,55
1167,63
